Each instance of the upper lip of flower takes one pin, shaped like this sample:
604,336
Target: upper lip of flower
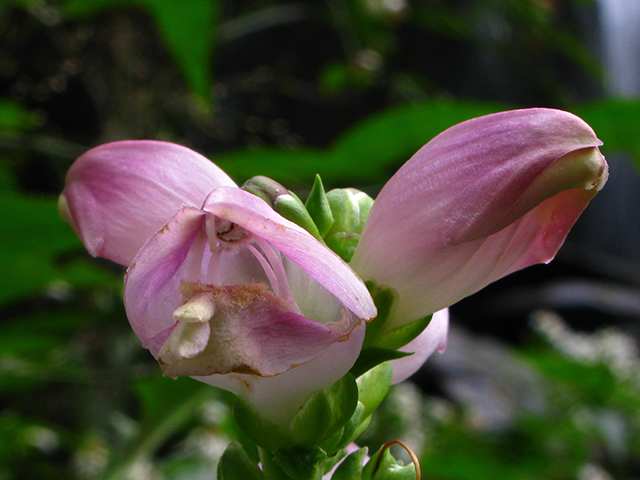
483,199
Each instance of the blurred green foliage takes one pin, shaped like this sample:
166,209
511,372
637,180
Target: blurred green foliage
189,31
347,89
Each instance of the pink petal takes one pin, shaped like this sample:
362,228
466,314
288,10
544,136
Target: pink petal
280,397
117,195
482,199
296,244
432,339
152,284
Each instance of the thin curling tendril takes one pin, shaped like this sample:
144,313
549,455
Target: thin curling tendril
412,454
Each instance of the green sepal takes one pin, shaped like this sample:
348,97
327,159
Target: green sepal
260,430
373,387
365,202
388,469
318,207
300,463
373,356
383,297
352,466
364,424
346,435
292,208
235,464
400,336
325,412
343,244
345,210
270,467
350,209
378,332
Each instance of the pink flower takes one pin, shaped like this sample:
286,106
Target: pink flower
481,200
222,288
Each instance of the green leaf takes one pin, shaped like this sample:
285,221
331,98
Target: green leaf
167,406
188,29
235,464
617,123
160,397
34,347
15,118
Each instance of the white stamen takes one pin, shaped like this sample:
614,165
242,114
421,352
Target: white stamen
281,284
198,309
268,270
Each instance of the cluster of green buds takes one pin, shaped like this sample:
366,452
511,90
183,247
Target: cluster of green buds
319,437
336,217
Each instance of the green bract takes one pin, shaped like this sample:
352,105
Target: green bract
235,464
318,206
350,208
323,415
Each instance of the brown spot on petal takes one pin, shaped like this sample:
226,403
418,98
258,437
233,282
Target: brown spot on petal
246,370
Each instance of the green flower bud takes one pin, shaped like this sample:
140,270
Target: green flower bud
292,208
265,188
283,201
350,209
